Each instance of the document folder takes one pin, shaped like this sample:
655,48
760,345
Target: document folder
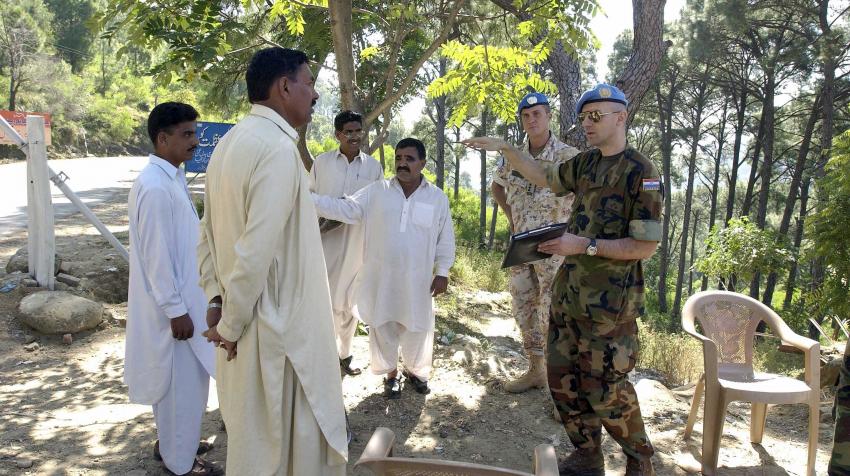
523,247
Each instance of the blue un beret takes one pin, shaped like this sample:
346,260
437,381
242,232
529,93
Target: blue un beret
602,92
531,100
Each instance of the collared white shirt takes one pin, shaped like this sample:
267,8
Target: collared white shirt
164,232
408,241
333,175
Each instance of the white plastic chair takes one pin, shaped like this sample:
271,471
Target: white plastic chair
729,322
378,457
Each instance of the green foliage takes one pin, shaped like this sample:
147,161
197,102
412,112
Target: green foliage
677,357
742,249
465,211
73,40
478,269
828,229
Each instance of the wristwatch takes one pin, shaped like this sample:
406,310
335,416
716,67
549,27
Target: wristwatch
214,305
591,249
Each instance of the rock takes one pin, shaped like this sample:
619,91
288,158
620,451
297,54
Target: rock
59,286
23,463
59,312
31,347
29,339
29,283
109,284
68,279
136,472
654,392
463,357
20,262
67,339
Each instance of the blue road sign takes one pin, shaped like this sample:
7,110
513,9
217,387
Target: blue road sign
209,133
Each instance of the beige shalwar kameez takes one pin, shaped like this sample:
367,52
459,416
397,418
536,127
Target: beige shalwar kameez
260,250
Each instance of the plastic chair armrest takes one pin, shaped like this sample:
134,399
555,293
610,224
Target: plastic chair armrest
709,353
545,461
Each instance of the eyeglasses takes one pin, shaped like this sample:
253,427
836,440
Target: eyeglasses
594,116
352,134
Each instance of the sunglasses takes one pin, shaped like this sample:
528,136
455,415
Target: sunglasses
594,116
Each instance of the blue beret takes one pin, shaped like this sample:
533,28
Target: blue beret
602,92
531,100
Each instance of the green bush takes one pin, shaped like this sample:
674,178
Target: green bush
479,269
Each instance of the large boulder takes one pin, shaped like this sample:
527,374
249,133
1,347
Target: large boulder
60,312
20,262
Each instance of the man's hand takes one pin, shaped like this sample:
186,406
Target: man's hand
439,285
567,245
212,335
214,313
182,327
486,143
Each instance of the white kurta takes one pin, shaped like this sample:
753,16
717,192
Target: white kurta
163,280
260,251
408,241
333,175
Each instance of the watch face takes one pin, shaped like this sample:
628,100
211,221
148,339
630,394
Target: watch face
591,250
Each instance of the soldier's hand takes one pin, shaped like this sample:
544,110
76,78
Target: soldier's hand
182,327
439,285
485,143
567,245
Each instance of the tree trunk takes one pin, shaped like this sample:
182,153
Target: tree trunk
693,255
740,117
566,74
482,216
306,158
689,194
440,106
768,113
754,167
796,179
715,184
798,240
665,117
457,164
340,12
493,225
648,48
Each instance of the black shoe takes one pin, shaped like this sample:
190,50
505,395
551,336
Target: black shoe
392,388
345,366
203,447
421,386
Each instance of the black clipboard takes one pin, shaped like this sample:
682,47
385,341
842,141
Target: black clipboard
523,247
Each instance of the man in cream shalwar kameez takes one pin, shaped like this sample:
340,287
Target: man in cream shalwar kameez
168,363
338,172
281,393
409,242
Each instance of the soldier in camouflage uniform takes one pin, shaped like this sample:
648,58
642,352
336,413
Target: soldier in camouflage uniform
597,294
839,464
527,207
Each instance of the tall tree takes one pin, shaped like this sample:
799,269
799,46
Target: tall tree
24,28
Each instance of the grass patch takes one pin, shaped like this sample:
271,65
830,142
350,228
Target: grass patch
478,269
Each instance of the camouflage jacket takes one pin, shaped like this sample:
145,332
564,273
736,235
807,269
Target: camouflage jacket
533,206
616,197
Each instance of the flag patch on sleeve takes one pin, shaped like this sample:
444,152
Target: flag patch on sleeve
649,185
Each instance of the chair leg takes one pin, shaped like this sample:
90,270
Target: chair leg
814,432
758,415
692,417
712,429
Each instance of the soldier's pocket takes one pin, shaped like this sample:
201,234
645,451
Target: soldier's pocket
621,354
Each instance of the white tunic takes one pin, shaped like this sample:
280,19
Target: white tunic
163,280
260,250
334,176
408,241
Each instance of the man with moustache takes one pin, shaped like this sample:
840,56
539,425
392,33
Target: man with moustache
262,267
167,363
409,249
527,207
336,173
598,293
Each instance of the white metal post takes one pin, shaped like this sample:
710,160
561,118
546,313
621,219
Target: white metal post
41,244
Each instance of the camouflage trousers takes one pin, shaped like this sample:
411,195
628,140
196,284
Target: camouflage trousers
531,293
588,364
839,463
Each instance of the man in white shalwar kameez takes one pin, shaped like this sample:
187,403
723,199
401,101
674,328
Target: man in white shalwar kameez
409,250
278,381
339,172
168,363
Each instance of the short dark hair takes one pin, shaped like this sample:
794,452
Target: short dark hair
267,66
167,115
411,142
345,117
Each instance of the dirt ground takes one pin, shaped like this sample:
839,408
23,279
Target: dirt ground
65,408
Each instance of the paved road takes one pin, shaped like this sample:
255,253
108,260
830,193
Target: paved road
95,180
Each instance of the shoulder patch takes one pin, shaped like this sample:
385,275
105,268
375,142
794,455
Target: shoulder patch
650,185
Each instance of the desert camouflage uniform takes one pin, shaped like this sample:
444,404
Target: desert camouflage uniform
839,464
593,342
533,207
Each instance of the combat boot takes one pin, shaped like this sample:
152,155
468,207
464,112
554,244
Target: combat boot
534,378
639,467
583,462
